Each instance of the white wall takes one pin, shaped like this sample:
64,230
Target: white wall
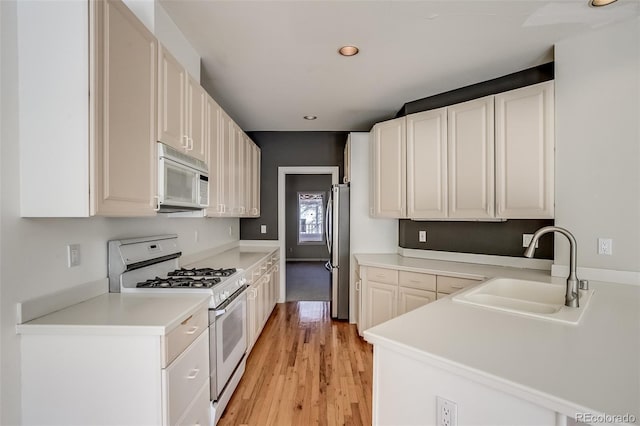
598,145
368,234
156,19
33,251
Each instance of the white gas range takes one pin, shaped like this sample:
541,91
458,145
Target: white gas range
150,264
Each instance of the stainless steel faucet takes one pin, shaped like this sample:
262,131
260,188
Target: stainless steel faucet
571,297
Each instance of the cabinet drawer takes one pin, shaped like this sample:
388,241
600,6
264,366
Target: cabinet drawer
178,339
185,377
418,280
388,276
450,285
199,412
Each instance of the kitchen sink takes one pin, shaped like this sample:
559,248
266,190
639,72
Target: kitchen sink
523,297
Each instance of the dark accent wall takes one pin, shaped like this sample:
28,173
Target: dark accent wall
496,238
516,80
289,149
295,184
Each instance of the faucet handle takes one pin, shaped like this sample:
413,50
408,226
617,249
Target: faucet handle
584,285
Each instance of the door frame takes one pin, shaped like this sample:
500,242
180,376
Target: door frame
282,219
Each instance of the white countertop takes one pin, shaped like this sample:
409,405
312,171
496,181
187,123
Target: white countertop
119,314
243,257
593,367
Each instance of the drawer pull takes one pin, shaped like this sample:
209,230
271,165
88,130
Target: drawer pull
187,320
194,374
458,287
415,281
193,330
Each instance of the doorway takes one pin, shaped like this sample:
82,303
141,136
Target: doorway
306,244
305,263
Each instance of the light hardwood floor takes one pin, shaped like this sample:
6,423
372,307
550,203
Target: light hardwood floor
305,369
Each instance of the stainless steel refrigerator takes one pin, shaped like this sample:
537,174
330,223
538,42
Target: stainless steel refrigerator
337,236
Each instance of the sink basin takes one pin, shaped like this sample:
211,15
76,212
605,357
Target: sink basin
523,297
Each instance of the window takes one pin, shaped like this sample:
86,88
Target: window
311,217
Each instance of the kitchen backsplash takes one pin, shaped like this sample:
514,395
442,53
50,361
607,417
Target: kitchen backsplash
493,238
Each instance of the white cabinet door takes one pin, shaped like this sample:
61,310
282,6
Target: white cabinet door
381,300
226,164
172,114
123,181
412,298
471,159
525,152
427,164
389,169
196,120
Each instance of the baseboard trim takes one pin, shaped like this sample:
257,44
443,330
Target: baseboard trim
596,274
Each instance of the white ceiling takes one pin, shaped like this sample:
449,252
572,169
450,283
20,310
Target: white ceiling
269,63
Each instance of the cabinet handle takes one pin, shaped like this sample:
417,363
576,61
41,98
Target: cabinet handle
358,283
193,374
187,320
457,287
157,198
190,144
185,143
193,330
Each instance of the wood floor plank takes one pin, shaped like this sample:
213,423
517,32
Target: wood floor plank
305,369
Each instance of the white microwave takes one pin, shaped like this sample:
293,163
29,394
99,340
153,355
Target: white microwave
183,181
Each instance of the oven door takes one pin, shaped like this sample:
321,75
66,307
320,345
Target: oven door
231,339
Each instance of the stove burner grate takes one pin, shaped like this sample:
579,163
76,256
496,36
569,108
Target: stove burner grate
179,282
203,272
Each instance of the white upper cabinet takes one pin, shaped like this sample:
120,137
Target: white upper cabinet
471,159
525,152
181,108
427,164
172,101
389,169
124,149
88,129
197,120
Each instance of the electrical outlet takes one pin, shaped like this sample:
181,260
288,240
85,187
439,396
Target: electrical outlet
263,229
422,236
73,255
446,412
526,240
605,246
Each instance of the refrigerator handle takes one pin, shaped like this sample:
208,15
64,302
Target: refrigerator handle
335,201
327,225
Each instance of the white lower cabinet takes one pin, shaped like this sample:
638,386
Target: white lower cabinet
386,293
380,302
184,377
120,379
411,298
264,289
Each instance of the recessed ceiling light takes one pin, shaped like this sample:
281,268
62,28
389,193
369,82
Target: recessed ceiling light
599,3
310,117
348,50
